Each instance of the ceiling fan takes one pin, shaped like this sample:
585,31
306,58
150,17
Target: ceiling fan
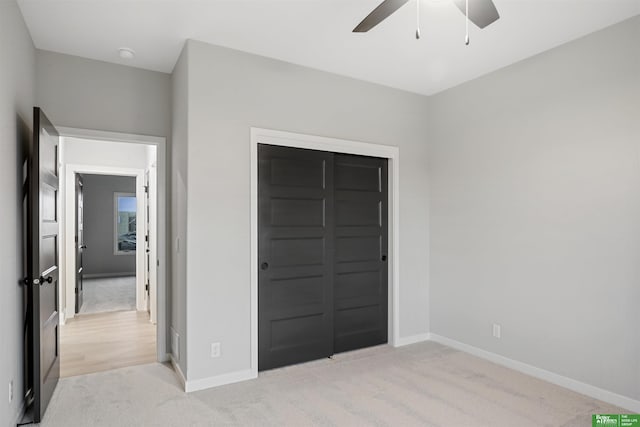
481,13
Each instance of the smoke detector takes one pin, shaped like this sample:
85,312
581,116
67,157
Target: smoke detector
126,53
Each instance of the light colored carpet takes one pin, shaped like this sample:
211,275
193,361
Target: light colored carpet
424,384
112,294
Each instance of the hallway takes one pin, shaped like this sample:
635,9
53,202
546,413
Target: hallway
100,342
112,294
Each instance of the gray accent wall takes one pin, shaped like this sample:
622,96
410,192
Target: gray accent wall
98,258
17,97
534,181
229,91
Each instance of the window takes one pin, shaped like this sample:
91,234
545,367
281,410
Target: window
125,223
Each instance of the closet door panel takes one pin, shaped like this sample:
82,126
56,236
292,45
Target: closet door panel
361,273
295,256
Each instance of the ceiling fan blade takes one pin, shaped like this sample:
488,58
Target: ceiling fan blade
481,12
379,14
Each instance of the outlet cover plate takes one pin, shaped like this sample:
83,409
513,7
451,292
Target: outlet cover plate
215,349
497,330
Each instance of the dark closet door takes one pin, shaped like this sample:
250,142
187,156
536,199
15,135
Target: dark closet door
80,246
44,362
295,256
360,275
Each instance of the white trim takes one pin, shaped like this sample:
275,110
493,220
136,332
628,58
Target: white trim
162,221
577,386
100,135
178,371
288,139
70,218
107,275
218,380
412,339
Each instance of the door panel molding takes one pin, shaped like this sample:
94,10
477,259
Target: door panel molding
294,140
298,254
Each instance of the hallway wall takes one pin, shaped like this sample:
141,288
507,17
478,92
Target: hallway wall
99,259
88,94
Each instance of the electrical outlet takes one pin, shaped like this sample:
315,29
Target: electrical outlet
10,391
496,330
215,349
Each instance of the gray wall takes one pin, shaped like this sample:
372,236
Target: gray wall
230,91
534,175
99,259
17,60
179,210
89,94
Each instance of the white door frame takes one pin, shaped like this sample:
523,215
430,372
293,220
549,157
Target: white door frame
288,139
161,223
70,219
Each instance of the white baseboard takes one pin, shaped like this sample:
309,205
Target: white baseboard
178,371
204,383
109,275
577,386
412,339
218,380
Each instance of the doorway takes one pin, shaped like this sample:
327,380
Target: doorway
54,241
109,241
105,241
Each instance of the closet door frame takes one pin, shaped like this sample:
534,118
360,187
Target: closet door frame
294,140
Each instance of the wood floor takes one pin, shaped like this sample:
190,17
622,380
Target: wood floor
105,341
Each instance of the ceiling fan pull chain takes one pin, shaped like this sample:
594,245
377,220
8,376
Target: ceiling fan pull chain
466,20
417,19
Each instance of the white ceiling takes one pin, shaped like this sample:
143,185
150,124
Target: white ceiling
317,33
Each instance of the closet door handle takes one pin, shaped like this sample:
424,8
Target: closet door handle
384,258
264,265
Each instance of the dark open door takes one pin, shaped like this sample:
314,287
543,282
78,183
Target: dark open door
147,244
80,247
360,285
43,263
295,294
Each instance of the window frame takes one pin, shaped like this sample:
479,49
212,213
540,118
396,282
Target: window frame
116,195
